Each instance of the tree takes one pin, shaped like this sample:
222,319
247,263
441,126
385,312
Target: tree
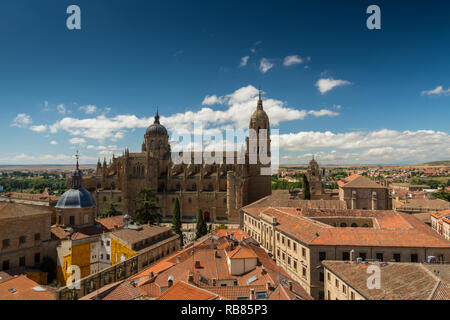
306,191
201,228
146,209
176,220
112,211
222,226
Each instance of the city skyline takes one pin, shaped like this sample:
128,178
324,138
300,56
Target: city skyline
332,87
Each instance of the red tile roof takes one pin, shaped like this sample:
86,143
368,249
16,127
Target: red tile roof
111,223
358,181
238,234
186,291
22,288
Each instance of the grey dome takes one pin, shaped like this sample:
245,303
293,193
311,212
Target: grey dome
75,198
156,129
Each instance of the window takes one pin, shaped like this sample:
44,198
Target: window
37,236
5,265
108,243
337,283
72,220
289,243
344,289
282,239
295,246
303,252
5,243
397,257
278,237
321,276
278,252
329,295
21,261
284,256
322,255
380,256
414,257
328,276
295,265
352,295
289,260
362,255
343,225
304,272
37,258
345,255
22,240
354,225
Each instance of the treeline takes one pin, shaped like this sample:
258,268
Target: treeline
433,184
33,185
278,184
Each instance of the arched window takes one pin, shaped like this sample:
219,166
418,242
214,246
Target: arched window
343,225
354,225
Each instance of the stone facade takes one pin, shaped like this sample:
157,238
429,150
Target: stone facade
219,189
24,236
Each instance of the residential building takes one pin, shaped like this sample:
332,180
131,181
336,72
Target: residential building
300,239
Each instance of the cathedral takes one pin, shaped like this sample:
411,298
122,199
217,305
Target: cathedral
219,189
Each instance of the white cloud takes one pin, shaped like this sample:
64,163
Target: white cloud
89,109
77,141
53,142
61,109
265,65
323,112
244,61
438,91
326,84
22,120
210,100
240,105
45,159
39,128
292,60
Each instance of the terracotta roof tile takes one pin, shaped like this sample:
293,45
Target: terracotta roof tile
22,288
186,291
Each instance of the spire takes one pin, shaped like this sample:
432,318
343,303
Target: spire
157,116
77,176
260,104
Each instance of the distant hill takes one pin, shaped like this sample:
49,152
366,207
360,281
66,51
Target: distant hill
443,163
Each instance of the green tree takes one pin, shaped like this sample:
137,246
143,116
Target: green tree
201,228
222,226
112,211
176,220
306,191
146,209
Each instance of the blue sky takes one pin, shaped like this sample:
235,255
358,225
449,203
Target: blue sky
383,95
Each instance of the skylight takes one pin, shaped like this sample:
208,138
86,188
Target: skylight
252,279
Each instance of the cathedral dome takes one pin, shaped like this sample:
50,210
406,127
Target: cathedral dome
75,198
156,129
259,115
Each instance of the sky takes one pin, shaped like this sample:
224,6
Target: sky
331,86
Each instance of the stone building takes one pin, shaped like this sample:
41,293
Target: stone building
219,189
363,193
347,280
313,174
24,236
300,239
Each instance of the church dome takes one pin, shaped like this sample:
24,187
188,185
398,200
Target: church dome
156,129
75,198
259,115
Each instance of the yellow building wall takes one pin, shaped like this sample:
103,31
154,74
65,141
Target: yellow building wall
117,249
81,257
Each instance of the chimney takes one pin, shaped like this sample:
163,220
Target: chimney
290,285
170,281
197,264
151,274
214,282
263,271
268,286
190,277
352,255
178,259
252,294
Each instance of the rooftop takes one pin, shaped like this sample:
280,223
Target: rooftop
22,288
17,210
144,232
399,281
186,291
358,181
389,228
